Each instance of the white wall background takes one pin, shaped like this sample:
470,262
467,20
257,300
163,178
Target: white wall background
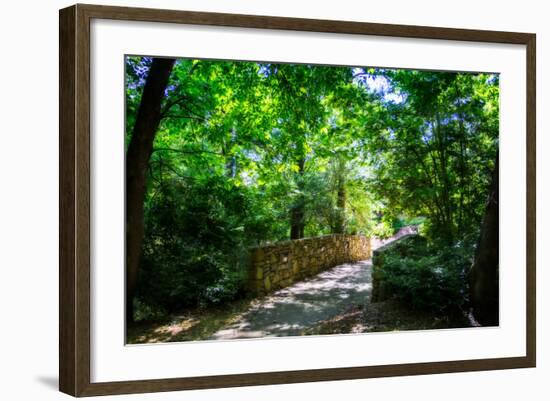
29,185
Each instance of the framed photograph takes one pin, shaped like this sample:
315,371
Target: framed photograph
250,200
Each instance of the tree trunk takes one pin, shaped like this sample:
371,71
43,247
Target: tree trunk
296,222
297,213
341,196
137,161
341,206
484,272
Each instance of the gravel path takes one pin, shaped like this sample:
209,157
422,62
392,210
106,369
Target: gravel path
290,310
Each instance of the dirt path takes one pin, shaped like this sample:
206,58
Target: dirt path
289,311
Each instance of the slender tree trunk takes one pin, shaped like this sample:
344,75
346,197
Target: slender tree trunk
462,181
297,213
296,222
137,160
484,272
447,230
341,196
231,160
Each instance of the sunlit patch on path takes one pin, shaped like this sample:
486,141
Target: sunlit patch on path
289,311
334,301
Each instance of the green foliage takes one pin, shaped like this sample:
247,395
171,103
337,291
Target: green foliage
383,230
427,277
404,221
435,155
248,152
146,312
196,243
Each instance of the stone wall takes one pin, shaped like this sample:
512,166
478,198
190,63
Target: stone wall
279,265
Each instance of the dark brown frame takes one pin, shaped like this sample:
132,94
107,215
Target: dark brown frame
74,202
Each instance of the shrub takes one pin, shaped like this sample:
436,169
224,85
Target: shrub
427,277
146,312
195,246
383,230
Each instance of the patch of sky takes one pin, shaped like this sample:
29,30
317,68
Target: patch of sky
332,121
249,177
378,84
471,126
364,171
427,132
277,158
463,100
140,69
449,119
492,78
252,155
169,88
265,70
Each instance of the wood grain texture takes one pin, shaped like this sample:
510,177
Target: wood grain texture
300,24
531,229
74,206
74,199
82,199
301,376
67,101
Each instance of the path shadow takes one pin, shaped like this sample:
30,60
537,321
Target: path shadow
289,311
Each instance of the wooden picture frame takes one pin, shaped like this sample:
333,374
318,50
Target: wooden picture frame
74,204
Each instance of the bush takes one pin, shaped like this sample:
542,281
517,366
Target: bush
195,246
176,278
383,230
146,312
427,277
228,288
389,225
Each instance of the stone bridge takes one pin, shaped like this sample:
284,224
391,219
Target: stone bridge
279,265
